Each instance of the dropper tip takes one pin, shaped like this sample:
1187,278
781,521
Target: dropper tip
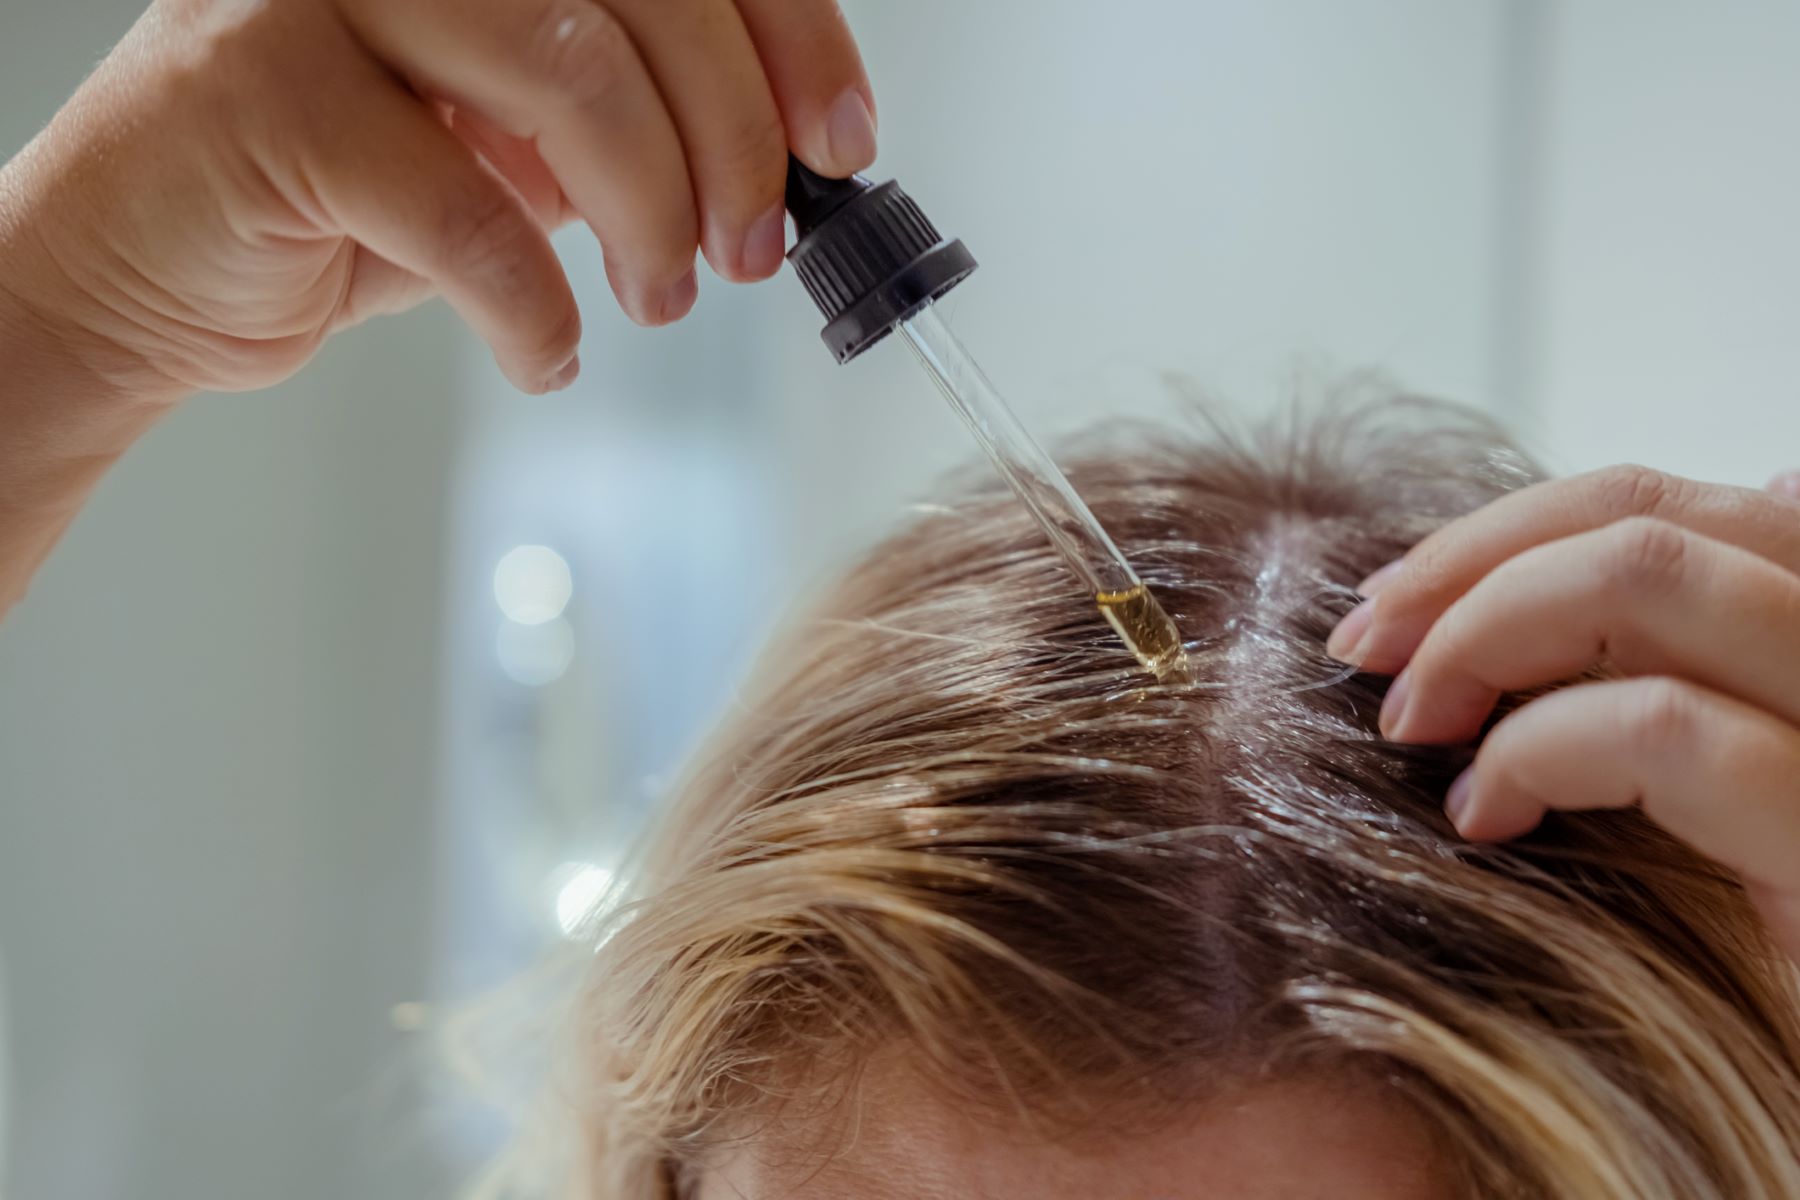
1147,631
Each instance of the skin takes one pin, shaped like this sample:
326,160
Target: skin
240,179
1690,590
1295,1139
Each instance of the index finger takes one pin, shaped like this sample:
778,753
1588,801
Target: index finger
566,75
1408,599
817,75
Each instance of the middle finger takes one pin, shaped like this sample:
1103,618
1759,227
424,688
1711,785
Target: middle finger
706,66
1648,596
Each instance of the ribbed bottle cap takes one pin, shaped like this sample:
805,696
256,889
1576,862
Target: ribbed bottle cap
868,257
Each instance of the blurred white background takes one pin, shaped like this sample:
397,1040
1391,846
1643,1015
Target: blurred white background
291,734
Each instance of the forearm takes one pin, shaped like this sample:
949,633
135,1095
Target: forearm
70,402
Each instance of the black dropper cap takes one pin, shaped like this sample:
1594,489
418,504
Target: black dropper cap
867,255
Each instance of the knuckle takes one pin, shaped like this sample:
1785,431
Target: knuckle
1451,638
485,236
819,40
1632,489
1649,555
1428,563
582,53
1661,714
1427,587
752,162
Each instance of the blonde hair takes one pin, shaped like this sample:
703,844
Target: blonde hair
955,817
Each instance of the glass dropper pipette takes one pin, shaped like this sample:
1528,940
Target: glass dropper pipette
874,263
1084,544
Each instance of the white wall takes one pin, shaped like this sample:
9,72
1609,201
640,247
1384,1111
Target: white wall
1666,303
218,799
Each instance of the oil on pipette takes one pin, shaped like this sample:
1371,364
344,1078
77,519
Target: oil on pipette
874,263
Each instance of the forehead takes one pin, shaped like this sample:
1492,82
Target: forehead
1297,1139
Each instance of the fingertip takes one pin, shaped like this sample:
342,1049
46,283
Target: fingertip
819,82
850,137
1372,586
652,308
565,376
642,303
841,140
1483,809
1478,824
679,300
1394,706
765,246
1436,710
1456,800
1391,643
539,364
536,382
523,381
748,254
1786,484
1346,643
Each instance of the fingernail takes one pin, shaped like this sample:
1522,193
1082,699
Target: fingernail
1371,586
1457,798
1786,484
1347,639
678,301
850,132
565,375
765,244
1393,707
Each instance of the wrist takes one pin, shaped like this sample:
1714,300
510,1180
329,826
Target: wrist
71,400
55,366
54,351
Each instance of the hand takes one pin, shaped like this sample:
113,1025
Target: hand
1691,591
241,178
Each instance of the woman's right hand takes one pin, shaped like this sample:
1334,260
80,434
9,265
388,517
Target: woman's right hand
241,178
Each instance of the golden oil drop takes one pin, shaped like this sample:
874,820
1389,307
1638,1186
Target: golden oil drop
1146,630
